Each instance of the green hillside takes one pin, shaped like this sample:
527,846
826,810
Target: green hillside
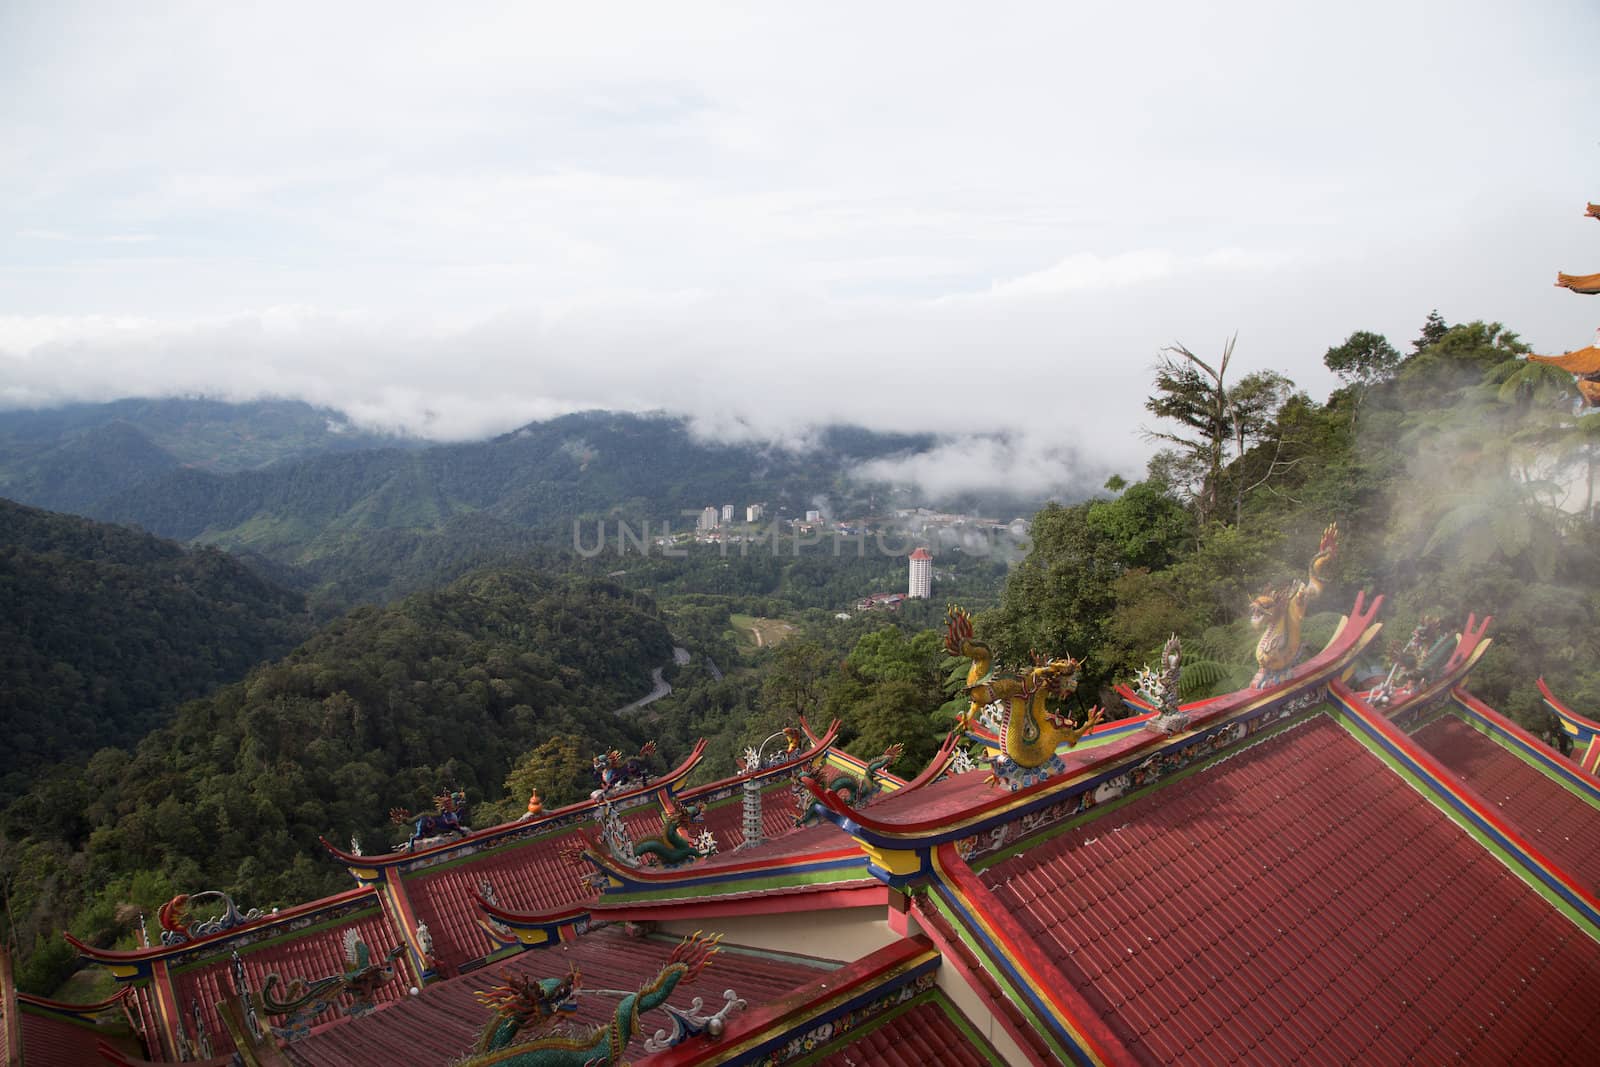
105,628
377,710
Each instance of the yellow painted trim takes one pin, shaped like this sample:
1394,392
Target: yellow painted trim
893,861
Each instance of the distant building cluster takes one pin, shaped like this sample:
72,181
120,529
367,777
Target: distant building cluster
712,518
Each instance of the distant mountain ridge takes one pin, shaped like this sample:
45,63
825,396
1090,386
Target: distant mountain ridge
370,523
69,458
541,476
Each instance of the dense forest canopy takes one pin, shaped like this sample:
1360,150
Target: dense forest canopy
379,709
105,628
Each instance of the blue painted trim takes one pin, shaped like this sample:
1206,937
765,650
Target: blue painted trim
1458,802
998,959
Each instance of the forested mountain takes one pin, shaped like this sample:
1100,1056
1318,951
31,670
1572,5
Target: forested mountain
379,709
71,458
103,628
541,476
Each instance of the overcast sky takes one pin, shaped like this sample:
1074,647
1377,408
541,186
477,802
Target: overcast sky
456,218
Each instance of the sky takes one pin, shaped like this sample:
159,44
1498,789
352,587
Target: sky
961,218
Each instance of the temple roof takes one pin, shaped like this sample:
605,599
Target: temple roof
1300,898
60,1035
439,1025
1578,361
310,956
929,1032
1588,284
1559,822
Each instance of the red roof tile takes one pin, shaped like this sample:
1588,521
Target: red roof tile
1554,819
1301,901
924,1035
49,1040
310,956
439,1026
535,877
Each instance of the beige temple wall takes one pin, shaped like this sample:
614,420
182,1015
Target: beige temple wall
849,934
840,934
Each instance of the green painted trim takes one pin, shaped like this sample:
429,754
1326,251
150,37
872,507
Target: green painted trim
1487,729
292,935
984,862
934,996
1001,979
1504,856
736,798
970,1032
387,871
855,873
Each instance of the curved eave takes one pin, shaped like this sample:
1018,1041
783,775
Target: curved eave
1588,284
938,764
1578,361
554,917
61,1007
266,922
818,746
1582,727
1354,632
1471,644
520,828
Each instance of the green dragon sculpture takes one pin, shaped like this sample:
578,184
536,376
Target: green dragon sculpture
362,978
672,849
1029,733
1279,612
855,790
522,1003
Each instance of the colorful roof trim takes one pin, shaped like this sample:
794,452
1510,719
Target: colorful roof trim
1557,818
438,1026
1297,901
1584,733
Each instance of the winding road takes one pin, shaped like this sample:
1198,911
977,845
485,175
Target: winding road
680,656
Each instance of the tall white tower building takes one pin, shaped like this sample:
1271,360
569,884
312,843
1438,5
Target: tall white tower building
921,575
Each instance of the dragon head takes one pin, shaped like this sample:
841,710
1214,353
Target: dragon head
1270,606
1057,677
525,1001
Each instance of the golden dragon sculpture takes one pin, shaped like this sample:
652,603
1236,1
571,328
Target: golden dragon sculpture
1279,612
1029,732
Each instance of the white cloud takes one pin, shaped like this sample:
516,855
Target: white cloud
918,216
